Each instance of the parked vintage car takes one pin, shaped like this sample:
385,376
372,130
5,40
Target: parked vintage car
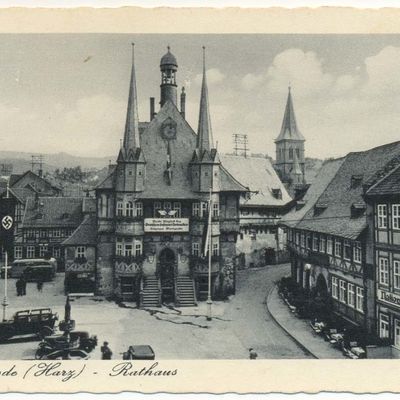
76,340
39,322
67,354
139,352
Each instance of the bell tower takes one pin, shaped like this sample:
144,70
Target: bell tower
168,67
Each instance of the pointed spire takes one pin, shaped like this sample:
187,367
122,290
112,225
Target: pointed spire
131,136
289,128
204,133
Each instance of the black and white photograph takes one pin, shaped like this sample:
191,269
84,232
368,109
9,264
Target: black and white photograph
199,197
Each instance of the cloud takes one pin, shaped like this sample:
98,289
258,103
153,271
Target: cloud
250,81
214,76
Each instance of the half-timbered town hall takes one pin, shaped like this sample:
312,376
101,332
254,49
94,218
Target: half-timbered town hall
152,208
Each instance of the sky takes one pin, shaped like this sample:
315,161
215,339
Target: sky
68,93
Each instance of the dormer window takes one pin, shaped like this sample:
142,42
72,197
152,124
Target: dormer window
357,209
356,180
300,204
319,208
277,193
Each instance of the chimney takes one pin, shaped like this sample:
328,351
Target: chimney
183,102
152,108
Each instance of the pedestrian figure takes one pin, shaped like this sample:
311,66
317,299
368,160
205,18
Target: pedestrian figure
106,352
18,285
23,285
252,354
39,285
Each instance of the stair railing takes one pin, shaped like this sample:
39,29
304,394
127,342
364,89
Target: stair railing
194,291
177,292
141,291
159,291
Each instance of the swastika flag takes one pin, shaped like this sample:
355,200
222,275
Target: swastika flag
7,224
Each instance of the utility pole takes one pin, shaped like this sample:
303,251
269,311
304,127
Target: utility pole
240,142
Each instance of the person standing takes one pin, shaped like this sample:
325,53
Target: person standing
18,287
40,285
23,285
106,352
252,354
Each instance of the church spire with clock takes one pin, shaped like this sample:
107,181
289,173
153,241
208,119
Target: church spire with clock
130,161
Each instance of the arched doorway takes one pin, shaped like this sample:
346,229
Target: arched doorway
321,287
167,275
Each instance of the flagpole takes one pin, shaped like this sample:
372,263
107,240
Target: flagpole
209,301
5,300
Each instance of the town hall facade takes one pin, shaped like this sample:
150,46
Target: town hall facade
152,208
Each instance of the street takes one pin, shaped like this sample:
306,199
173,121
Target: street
237,324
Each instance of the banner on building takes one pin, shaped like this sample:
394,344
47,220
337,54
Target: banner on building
7,223
166,224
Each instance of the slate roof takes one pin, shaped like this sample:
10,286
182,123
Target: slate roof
85,234
258,174
289,129
14,179
53,212
22,194
321,181
154,148
340,195
389,183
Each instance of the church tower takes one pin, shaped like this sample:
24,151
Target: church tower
168,67
290,148
130,161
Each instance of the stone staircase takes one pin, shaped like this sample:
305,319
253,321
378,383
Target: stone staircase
185,294
150,293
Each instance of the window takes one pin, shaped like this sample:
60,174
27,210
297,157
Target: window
56,252
18,252
315,242
138,248
30,252
196,209
43,233
298,154
104,205
290,154
204,207
360,299
396,216
177,208
302,240
397,333
334,287
215,248
157,206
129,209
342,291
383,271
347,250
57,233
350,295
298,238
120,209
357,252
167,206
42,250
329,245
196,249
215,210
338,248
396,274
80,252
322,244
128,249
139,208
382,216
309,241
30,233
119,248
383,326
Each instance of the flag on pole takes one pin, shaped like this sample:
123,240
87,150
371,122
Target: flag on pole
7,223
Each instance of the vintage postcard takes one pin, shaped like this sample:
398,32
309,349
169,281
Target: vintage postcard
199,200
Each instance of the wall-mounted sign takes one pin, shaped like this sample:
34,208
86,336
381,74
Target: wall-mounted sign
389,298
166,224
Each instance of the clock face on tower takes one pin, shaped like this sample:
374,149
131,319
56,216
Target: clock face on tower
168,129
